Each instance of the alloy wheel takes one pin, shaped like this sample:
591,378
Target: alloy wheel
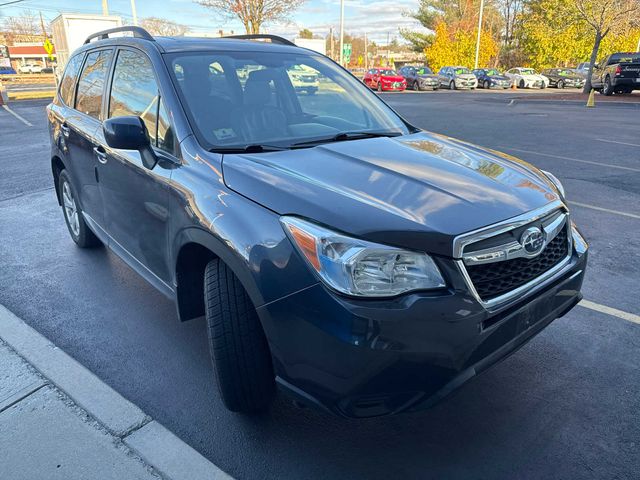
70,209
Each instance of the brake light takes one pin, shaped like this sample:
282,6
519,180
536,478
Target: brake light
618,70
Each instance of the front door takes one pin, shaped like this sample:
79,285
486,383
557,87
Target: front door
135,197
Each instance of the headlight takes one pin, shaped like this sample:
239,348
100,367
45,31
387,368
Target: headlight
555,181
360,268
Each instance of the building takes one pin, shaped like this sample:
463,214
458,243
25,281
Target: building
21,54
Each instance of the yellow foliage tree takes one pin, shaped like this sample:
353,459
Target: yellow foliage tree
458,47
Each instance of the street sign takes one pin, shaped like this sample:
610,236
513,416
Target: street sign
346,52
48,47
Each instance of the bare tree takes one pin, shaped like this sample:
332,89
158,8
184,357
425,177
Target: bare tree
27,24
163,27
604,16
253,13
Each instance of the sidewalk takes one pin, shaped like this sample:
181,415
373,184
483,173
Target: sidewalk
59,421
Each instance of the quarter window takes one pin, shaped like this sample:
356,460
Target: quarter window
68,83
91,84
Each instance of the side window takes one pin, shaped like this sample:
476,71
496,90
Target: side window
134,90
68,83
91,84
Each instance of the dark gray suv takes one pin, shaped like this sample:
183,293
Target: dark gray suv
363,265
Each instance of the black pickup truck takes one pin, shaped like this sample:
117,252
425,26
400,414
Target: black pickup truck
617,73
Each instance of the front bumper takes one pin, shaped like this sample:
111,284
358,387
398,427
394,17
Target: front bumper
364,358
393,87
461,84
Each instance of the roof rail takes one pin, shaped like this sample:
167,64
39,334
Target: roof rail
260,36
104,34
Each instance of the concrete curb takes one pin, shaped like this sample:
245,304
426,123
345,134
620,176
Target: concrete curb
573,103
155,444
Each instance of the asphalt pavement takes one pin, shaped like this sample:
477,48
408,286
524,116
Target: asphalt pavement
565,406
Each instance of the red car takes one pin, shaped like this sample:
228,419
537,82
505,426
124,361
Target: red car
384,80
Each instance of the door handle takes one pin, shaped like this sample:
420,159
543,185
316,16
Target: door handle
65,130
101,154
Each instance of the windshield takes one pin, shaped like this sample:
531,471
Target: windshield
528,71
240,99
492,71
390,73
565,72
424,71
462,70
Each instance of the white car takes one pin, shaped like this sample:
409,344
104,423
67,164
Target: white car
527,78
30,68
457,77
304,79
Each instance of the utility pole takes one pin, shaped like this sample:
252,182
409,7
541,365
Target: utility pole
105,7
341,32
44,31
388,49
479,33
333,56
366,52
134,13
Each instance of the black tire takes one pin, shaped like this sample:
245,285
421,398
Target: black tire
380,87
239,349
416,86
452,85
486,85
560,84
607,89
80,232
521,85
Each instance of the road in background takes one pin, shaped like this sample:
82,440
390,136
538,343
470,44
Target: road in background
565,406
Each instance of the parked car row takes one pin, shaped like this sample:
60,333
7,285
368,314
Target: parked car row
458,77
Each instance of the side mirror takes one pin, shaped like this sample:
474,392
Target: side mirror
130,133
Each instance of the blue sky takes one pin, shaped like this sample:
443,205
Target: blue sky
376,17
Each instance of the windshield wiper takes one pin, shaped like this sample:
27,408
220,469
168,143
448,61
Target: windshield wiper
253,148
343,136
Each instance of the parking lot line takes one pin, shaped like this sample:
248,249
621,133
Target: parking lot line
630,317
619,143
608,210
28,124
505,147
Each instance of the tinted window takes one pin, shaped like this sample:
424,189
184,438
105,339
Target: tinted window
91,84
165,132
134,90
68,83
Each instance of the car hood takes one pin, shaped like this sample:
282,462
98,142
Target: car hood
416,191
571,78
498,77
428,75
532,77
466,76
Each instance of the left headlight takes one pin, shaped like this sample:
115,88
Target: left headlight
360,268
555,181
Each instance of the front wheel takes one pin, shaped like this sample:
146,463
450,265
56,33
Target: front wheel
486,85
452,85
380,87
561,84
521,85
80,232
239,348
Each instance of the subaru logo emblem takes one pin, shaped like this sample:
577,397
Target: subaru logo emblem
532,241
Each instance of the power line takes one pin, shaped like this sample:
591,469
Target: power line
11,3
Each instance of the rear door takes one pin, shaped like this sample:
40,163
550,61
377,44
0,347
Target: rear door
135,197
80,126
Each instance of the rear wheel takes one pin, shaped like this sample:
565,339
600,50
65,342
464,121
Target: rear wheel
606,87
80,232
239,349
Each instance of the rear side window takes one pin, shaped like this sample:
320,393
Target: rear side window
68,83
91,84
134,92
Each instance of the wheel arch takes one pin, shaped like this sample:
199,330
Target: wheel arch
194,249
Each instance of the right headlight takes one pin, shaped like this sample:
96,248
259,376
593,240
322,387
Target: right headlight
360,268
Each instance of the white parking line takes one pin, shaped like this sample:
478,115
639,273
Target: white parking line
28,124
629,317
504,147
608,210
619,143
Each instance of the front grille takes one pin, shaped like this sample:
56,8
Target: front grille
494,279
